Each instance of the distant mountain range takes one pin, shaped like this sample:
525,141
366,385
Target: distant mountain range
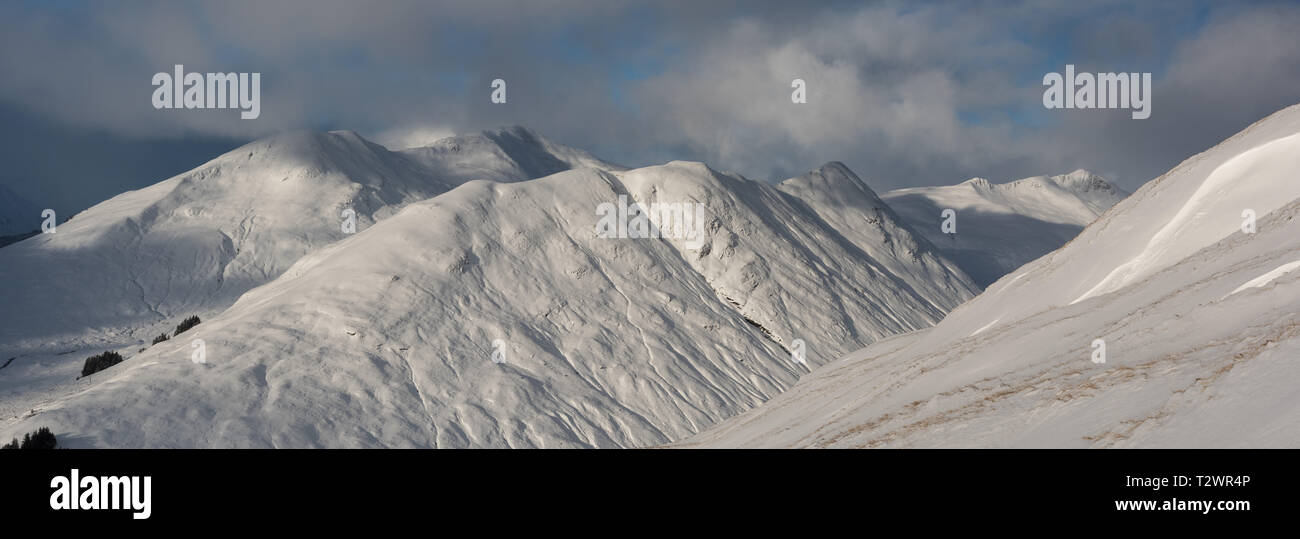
1000,227
1171,321
475,305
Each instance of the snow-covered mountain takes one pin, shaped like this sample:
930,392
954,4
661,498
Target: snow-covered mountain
502,155
1198,314
1000,227
130,268
488,315
844,202
134,265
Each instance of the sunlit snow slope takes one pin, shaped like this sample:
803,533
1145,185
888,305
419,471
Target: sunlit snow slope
131,267
493,316
1200,322
1000,227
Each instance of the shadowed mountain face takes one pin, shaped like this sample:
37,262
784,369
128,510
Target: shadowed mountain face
1000,227
506,154
988,244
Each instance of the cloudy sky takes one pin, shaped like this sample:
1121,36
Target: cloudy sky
905,93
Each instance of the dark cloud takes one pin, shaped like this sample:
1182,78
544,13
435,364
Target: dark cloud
1243,66
906,93
67,169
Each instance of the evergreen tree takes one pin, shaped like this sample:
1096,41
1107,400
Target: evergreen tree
41,439
186,324
100,362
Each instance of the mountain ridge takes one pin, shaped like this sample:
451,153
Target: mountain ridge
605,342
1193,348
459,258
1002,226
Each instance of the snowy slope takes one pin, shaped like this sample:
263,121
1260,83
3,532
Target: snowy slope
1200,321
1001,227
845,202
501,155
132,267
196,242
492,315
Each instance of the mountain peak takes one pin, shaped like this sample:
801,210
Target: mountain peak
1006,224
1083,180
515,131
523,152
836,167
1169,274
695,165
303,146
832,177
412,290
